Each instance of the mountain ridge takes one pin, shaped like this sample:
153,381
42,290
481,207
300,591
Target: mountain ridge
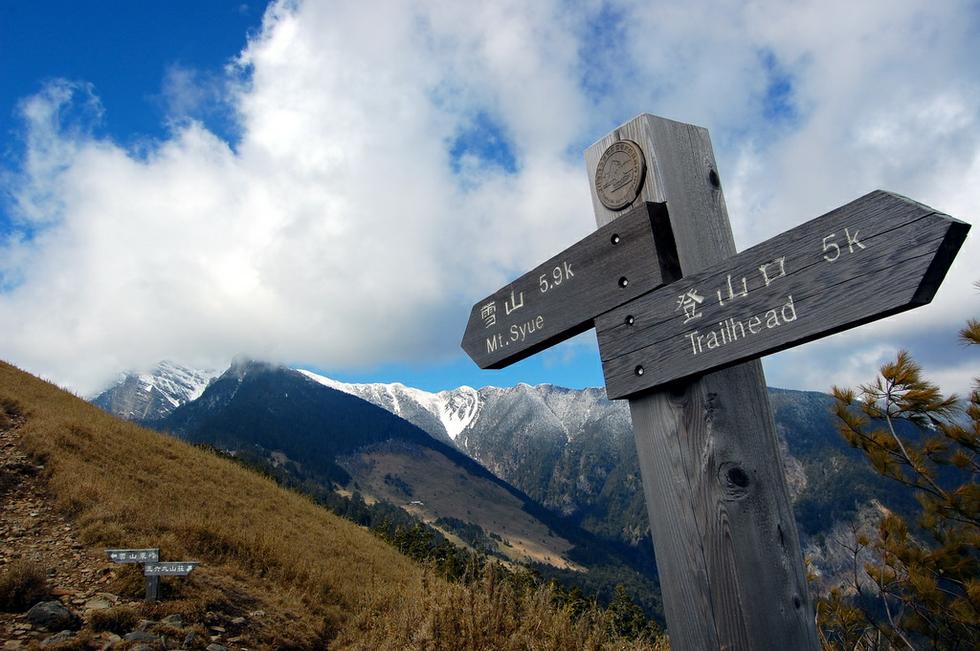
348,442
560,446
154,393
572,452
445,423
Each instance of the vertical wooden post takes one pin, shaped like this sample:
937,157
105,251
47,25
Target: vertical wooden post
725,538
152,589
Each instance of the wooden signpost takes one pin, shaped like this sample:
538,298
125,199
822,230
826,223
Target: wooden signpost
153,568
683,347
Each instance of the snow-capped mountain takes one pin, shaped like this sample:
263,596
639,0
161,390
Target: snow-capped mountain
570,450
444,415
326,437
573,450
153,394
558,445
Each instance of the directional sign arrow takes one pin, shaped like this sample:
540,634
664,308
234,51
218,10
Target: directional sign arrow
561,297
133,555
876,256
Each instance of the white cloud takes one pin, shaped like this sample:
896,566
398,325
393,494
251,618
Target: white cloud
337,231
841,364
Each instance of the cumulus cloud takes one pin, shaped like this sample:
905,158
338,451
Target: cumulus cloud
388,172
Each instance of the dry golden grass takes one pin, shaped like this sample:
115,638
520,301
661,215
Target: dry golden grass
320,579
131,487
489,615
119,620
22,584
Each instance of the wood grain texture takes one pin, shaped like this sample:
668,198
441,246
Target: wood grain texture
726,543
863,261
562,296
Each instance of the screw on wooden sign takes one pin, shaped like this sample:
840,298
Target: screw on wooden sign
727,549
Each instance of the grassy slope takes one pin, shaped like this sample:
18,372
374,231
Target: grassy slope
132,487
317,577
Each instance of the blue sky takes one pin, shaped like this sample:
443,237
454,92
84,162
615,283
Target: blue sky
305,183
124,49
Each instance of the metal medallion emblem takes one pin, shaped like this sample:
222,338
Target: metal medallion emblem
619,174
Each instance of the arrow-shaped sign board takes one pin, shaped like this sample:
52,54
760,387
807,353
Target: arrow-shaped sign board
170,568
561,297
133,555
876,256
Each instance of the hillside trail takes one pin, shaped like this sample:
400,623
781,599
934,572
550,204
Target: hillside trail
78,576
30,529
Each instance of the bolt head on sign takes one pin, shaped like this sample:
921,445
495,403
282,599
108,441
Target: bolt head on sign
619,174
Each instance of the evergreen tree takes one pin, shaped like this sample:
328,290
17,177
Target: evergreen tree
921,588
627,620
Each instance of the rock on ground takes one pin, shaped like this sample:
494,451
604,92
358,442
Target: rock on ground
52,616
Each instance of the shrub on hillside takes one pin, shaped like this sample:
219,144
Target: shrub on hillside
9,410
118,620
22,584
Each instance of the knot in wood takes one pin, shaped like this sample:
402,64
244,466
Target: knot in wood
734,481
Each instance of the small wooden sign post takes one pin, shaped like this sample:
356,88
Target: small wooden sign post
153,568
681,321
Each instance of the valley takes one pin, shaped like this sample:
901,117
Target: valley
430,487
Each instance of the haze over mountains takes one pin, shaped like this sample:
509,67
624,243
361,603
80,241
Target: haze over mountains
560,446
349,442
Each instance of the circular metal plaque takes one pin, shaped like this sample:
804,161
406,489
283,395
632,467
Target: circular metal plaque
619,174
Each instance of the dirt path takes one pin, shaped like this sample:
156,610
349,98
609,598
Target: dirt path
30,529
78,576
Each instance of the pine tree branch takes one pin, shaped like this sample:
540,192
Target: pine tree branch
891,428
888,612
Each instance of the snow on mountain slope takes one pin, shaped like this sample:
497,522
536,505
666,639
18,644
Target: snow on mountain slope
443,415
153,394
458,415
458,409
180,383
